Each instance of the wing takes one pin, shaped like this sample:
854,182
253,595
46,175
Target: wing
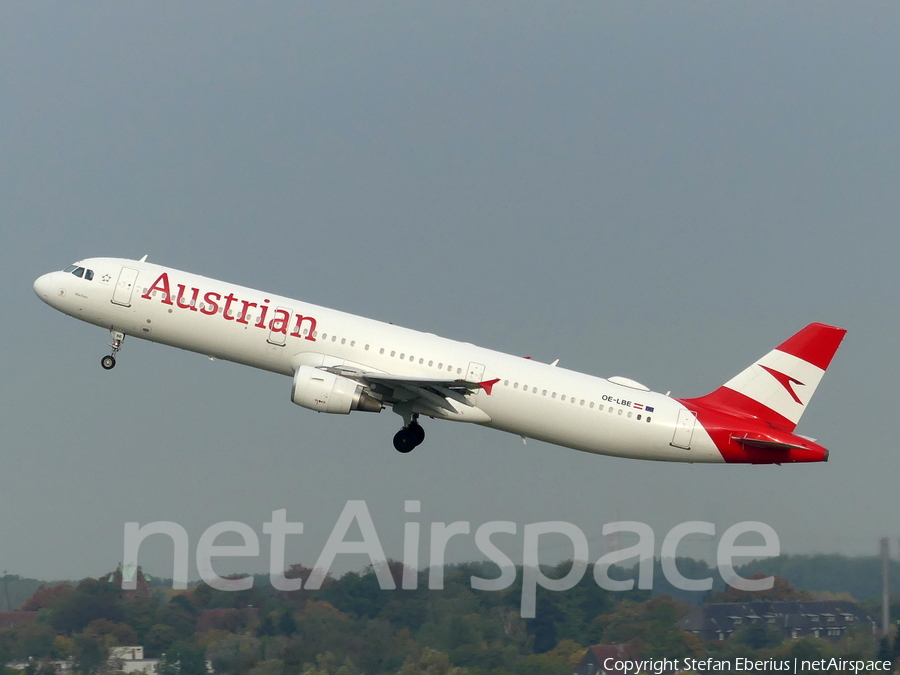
433,396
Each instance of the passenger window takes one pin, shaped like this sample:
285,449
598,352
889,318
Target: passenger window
544,393
89,275
592,404
412,358
534,390
553,395
440,366
516,385
402,356
393,353
562,398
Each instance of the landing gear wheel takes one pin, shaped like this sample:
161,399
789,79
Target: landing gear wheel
417,432
108,362
404,441
409,437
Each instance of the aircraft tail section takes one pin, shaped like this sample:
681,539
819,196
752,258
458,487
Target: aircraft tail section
777,388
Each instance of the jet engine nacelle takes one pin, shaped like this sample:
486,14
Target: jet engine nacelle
326,392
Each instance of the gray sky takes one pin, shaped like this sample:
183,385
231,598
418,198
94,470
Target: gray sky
660,191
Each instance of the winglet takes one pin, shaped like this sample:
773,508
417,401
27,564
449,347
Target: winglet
487,385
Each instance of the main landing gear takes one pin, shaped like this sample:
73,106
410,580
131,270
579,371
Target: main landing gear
409,436
109,362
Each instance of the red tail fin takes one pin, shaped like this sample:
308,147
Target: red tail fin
777,388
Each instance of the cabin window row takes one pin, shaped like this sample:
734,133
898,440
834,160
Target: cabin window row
334,338
575,400
412,359
440,366
393,353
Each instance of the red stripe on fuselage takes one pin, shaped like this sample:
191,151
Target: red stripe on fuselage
733,403
724,428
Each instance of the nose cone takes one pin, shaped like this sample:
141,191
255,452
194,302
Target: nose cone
46,288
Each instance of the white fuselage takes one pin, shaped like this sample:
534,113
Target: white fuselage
531,399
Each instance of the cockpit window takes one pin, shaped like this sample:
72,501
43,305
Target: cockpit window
85,274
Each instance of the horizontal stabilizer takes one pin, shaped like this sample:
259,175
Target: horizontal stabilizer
766,444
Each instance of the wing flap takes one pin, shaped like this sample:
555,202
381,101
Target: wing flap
433,393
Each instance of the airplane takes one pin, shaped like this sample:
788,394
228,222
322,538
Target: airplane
340,363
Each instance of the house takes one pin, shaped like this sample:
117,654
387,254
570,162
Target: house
600,659
9,619
121,660
142,582
131,660
830,619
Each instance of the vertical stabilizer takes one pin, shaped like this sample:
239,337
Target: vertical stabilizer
777,388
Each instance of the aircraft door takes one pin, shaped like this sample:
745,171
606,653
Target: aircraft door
124,287
684,429
280,326
475,372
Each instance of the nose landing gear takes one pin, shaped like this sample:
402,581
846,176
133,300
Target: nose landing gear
109,362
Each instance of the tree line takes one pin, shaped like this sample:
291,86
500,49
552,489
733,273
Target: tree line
350,626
